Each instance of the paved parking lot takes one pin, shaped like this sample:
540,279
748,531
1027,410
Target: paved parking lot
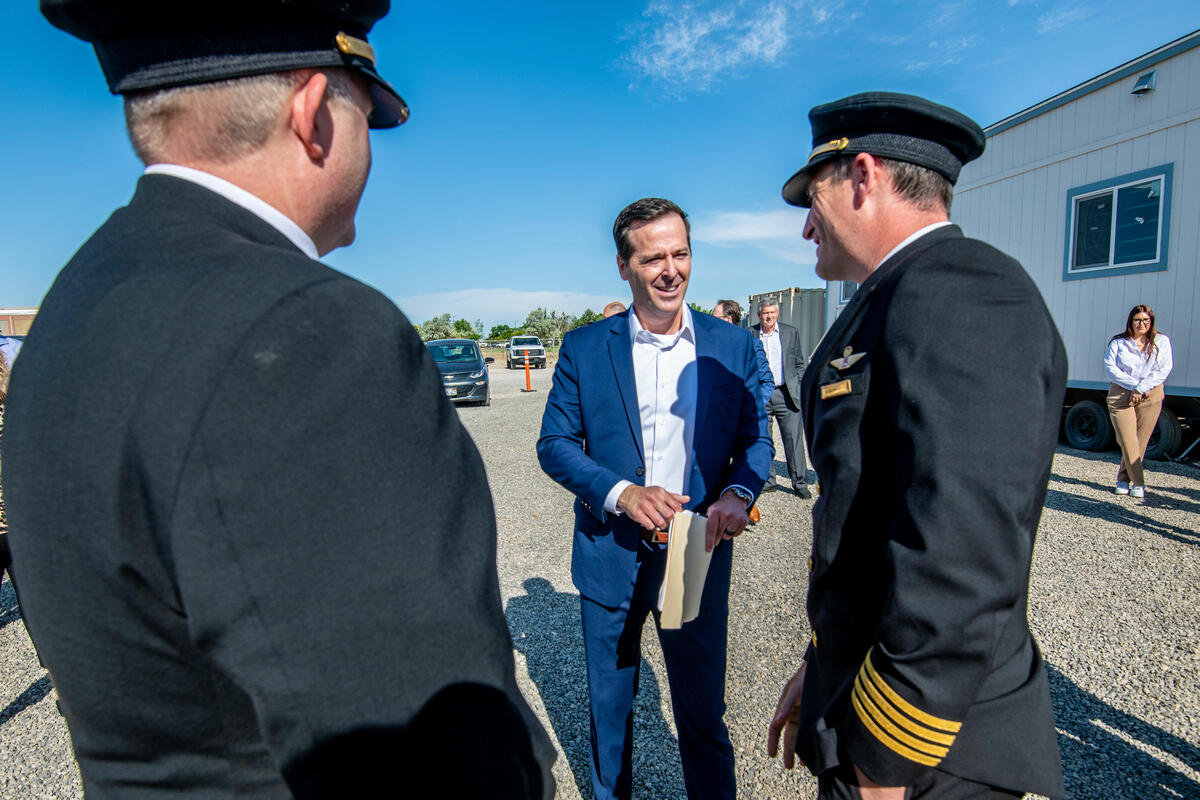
1116,585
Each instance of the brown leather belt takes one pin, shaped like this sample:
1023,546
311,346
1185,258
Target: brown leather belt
655,536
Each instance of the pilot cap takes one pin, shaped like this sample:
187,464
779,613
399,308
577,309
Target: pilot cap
897,126
153,44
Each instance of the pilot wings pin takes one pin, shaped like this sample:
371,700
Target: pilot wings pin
848,359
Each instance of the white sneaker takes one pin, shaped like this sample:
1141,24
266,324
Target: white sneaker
1122,487
1137,491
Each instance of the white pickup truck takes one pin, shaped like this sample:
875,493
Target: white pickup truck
521,347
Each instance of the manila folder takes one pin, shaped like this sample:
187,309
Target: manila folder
687,565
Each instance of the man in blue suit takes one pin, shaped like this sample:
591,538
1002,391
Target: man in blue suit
731,311
653,411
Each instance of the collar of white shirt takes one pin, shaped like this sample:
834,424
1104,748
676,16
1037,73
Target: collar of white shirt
912,238
239,196
663,341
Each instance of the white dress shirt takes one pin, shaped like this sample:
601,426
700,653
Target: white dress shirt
239,196
774,347
1127,366
665,375
664,372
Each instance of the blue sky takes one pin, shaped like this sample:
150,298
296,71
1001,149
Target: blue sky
533,125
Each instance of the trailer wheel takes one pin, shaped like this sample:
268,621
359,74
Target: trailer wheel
1167,437
1087,426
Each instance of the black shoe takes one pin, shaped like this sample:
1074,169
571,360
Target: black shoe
802,491
770,486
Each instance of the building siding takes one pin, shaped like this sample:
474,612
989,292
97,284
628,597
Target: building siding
1015,198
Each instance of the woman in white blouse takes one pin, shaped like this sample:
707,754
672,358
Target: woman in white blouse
1137,362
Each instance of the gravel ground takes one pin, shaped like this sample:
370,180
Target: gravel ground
1114,606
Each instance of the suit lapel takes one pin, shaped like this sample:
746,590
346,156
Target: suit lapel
706,366
812,375
620,352
858,304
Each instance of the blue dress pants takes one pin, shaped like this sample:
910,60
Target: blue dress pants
695,661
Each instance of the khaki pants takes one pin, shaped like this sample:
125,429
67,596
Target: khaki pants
1133,425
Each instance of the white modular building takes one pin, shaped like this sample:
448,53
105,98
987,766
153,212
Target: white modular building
1096,191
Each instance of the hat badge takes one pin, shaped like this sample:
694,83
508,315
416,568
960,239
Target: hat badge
835,146
352,46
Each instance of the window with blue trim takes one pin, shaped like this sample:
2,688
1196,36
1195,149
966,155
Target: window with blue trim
1119,226
847,290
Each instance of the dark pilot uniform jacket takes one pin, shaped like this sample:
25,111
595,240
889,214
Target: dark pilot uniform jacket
256,546
932,407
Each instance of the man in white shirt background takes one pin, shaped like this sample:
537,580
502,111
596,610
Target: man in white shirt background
652,411
787,359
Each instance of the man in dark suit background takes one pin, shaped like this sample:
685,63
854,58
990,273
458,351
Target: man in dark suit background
655,410
240,576
932,406
786,359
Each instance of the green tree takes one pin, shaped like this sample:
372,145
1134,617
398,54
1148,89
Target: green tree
548,324
503,332
697,307
465,330
437,328
586,318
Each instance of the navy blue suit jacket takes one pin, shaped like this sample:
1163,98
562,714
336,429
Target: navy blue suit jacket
592,437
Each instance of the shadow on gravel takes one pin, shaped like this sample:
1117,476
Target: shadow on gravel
1170,491
9,610
1175,498
1113,456
1099,756
36,692
545,627
1123,511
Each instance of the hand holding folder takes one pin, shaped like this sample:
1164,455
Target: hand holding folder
687,567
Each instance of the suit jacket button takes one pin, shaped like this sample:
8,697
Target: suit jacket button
814,638
640,471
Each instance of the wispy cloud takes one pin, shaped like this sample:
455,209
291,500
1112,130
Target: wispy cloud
1061,18
495,306
890,39
687,47
943,53
779,233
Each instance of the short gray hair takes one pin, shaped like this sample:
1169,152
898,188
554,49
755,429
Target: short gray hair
220,121
767,303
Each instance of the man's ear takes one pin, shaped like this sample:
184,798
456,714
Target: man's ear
308,108
622,269
865,176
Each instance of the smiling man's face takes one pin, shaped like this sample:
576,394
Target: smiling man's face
658,270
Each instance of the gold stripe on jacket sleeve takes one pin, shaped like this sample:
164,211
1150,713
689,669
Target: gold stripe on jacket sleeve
901,720
950,726
888,741
867,705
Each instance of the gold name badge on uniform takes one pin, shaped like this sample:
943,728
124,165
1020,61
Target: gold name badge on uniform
835,389
849,358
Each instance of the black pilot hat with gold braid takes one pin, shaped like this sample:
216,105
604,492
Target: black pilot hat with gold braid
151,44
897,126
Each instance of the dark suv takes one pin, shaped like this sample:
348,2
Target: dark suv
464,370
